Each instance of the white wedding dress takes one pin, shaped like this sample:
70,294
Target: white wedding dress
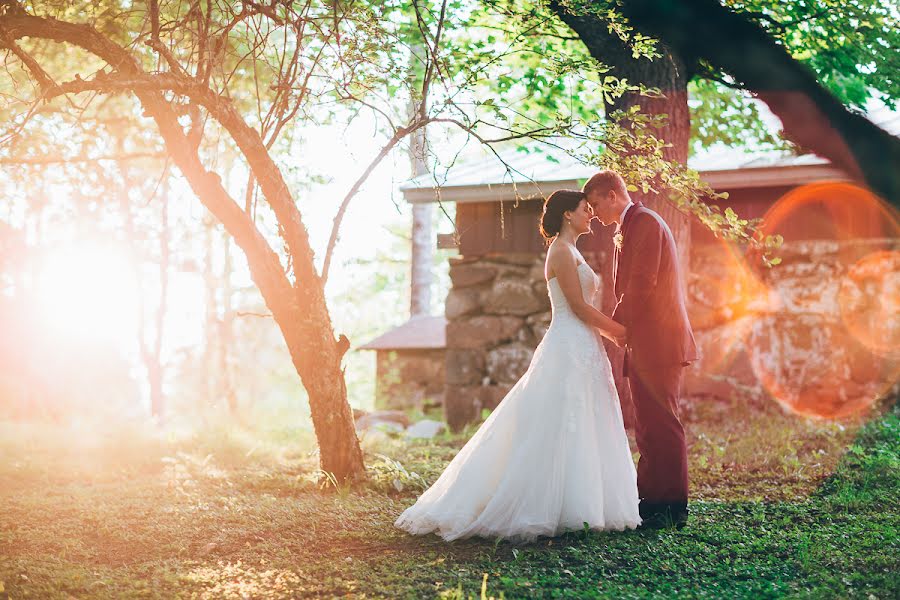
552,457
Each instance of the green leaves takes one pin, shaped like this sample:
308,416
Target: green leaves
851,46
722,115
630,147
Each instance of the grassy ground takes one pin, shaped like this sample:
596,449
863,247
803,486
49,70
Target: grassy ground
782,508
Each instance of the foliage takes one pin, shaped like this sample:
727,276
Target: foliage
230,514
846,44
549,80
849,45
389,475
722,115
636,153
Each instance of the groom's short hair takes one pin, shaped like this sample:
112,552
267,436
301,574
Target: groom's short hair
603,182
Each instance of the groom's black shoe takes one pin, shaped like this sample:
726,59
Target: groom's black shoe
660,515
652,522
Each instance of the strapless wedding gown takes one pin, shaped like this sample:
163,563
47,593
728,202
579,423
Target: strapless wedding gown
552,457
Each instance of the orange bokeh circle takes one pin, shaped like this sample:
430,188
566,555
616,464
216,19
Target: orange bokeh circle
831,348
869,300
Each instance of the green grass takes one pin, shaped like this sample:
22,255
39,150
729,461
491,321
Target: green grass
783,508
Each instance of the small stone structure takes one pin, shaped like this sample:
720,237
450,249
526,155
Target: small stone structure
410,364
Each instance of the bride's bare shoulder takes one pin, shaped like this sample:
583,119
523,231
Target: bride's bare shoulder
560,251
559,257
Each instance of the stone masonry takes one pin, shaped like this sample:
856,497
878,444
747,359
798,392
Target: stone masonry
497,312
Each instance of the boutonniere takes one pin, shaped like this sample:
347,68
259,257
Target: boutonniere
618,238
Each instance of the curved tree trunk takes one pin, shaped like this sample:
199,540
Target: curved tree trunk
812,117
667,73
298,308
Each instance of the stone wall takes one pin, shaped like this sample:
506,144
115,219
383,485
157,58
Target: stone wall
497,312
409,379
819,333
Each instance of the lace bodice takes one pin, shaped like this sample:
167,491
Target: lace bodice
568,333
590,285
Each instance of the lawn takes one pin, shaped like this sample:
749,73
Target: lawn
782,507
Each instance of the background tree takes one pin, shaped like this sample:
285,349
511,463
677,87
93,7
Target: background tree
202,51
806,61
854,55
151,320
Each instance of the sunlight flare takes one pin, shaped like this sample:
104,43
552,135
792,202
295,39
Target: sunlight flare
88,292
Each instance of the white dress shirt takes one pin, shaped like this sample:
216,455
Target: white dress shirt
622,216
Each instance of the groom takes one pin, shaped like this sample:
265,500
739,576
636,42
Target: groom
659,343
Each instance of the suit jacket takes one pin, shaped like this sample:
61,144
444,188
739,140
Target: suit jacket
649,293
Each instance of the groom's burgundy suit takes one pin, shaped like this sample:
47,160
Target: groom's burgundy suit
650,304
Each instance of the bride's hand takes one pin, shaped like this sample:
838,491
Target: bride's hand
618,335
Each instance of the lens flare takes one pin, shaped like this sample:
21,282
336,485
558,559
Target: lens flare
85,293
869,299
830,350
833,210
726,298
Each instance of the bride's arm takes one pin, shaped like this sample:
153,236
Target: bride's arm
566,270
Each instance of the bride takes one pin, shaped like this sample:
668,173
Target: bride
553,456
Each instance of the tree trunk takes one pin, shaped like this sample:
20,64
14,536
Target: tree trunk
666,74
669,74
210,321
422,245
150,351
154,358
155,379
226,330
219,320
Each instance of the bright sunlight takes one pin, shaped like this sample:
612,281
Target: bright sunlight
87,291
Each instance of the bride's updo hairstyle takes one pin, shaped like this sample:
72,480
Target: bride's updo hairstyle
559,202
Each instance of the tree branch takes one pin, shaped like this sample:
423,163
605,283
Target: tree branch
268,273
146,87
60,160
44,81
399,134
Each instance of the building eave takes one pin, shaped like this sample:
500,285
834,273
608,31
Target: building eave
489,192
725,179
760,177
